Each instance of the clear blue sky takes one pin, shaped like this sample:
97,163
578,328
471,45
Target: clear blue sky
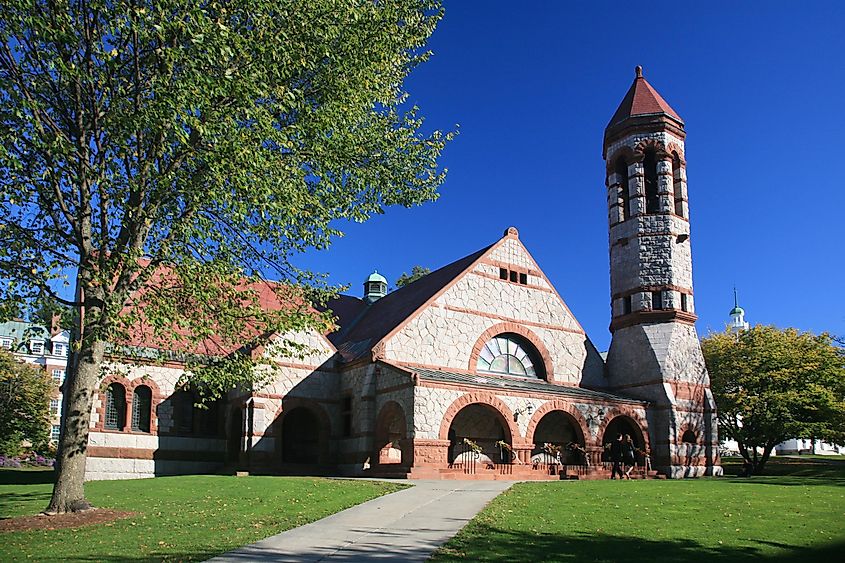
760,85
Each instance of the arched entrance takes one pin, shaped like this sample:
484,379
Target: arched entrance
560,430
301,436
621,425
482,426
391,431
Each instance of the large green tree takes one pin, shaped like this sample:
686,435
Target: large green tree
771,385
161,152
25,392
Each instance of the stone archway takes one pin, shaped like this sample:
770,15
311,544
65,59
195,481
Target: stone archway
559,429
482,425
623,424
391,444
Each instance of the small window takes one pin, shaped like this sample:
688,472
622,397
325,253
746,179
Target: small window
6,343
141,408
627,305
115,407
514,277
58,376
54,406
503,273
36,347
684,302
523,279
346,416
656,300
688,437
55,432
59,349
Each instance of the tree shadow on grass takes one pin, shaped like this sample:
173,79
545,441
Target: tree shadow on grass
8,500
27,477
788,481
493,544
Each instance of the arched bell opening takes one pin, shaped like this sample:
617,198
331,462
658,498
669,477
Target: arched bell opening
479,432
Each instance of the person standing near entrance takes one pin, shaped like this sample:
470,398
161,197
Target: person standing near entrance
616,457
628,455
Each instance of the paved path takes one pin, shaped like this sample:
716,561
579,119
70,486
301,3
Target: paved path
404,526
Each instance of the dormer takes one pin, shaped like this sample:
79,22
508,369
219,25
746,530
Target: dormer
36,347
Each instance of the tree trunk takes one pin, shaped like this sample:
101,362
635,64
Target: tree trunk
80,387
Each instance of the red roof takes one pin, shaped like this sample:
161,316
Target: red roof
270,296
642,99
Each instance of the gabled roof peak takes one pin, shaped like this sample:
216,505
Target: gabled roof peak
642,100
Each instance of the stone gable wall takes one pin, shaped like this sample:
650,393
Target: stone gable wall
444,334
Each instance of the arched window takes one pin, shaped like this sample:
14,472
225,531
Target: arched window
115,407
183,412
142,403
652,199
688,437
676,184
510,354
624,191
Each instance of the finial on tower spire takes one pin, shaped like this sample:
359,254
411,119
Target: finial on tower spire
639,71
736,301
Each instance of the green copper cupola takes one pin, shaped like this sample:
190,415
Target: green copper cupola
375,287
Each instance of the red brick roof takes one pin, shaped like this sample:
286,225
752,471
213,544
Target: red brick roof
642,99
271,296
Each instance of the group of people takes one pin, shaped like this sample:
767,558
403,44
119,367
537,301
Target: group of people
624,457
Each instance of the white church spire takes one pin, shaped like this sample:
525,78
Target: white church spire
738,323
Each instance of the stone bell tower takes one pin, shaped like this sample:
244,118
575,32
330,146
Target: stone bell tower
655,353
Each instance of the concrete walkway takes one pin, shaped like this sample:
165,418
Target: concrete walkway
404,526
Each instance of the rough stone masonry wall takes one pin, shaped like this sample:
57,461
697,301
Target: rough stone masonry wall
372,387
292,375
128,454
431,405
444,334
640,357
645,251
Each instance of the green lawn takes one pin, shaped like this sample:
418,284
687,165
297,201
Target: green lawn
778,518
178,518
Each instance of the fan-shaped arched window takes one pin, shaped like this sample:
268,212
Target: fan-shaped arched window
688,437
142,400
115,407
509,354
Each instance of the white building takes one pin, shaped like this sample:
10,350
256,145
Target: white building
47,348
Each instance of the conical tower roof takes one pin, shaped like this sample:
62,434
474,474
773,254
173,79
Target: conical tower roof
642,100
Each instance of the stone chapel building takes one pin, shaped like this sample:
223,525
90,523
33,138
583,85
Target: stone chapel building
477,370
